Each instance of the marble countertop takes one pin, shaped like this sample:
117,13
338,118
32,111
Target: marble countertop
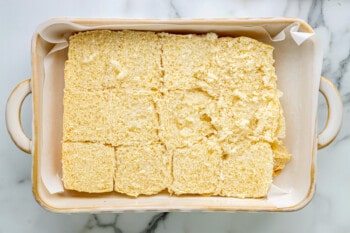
327,212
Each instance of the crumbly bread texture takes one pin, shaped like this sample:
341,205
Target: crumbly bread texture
243,64
92,57
142,169
105,59
86,116
140,61
280,157
256,118
196,168
88,167
247,170
185,117
133,119
249,103
186,60
194,114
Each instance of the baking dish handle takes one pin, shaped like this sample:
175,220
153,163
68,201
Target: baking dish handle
335,113
13,115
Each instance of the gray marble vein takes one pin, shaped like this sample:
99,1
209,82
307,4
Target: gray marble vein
155,221
98,222
174,12
315,17
343,68
94,222
24,180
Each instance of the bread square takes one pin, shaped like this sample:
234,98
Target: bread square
142,169
186,59
243,64
88,167
256,118
93,60
196,168
185,117
133,119
140,61
247,169
86,116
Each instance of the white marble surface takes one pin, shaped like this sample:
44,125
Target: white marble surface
328,211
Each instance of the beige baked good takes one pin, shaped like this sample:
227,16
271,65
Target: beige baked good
258,118
140,61
186,60
110,117
86,116
280,157
246,170
87,167
142,169
133,119
185,117
250,116
249,103
243,65
196,168
196,114
113,59
92,60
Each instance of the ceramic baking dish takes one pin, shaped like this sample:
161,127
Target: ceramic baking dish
298,64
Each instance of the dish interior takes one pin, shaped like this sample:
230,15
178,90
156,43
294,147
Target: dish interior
298,69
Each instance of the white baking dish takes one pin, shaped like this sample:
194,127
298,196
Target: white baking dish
298,65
